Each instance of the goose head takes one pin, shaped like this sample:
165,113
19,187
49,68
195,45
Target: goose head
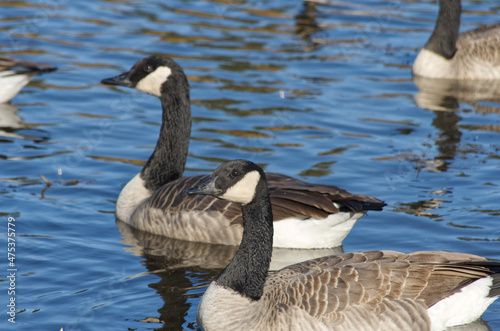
237,181
153,75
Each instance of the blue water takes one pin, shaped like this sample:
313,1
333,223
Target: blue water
318,91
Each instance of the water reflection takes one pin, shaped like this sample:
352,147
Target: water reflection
10,122
443,97
425,208
448,139
186,254
445,94
177,263
306,24
176,253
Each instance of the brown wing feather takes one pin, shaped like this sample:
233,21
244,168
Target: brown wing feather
343,282
318,195
283,208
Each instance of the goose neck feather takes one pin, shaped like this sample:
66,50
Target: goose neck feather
169,157
443,40
246,273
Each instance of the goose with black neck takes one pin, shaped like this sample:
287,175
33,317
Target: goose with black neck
373,290
472,55
305,215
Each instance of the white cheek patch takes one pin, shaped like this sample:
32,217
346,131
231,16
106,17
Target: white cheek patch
152,83
244,190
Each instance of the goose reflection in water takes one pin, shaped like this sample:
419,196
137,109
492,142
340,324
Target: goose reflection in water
446,94
307,26
443,97
10,121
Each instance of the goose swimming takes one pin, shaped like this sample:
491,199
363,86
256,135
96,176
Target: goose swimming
474,54
306,215
373,290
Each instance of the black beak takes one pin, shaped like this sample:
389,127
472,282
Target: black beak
121,80
205,187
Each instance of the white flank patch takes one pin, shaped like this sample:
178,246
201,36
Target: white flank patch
462,307
152,83
314,233
244,190
130,197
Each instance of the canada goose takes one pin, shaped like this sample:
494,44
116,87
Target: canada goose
375,290
15,74
306,215
473,54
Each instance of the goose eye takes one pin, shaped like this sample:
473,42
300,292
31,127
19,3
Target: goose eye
148,68
234,173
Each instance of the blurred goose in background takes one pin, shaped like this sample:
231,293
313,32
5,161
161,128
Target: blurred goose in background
306,215
374,290
15,74
473,54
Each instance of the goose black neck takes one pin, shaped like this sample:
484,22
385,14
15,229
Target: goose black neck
246,273
169,157
443,40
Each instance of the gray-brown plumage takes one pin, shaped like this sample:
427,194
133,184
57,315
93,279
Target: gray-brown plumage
388,289
309,215
375,290
474,54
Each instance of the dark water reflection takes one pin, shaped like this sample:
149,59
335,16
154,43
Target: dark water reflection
321,91
177,263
